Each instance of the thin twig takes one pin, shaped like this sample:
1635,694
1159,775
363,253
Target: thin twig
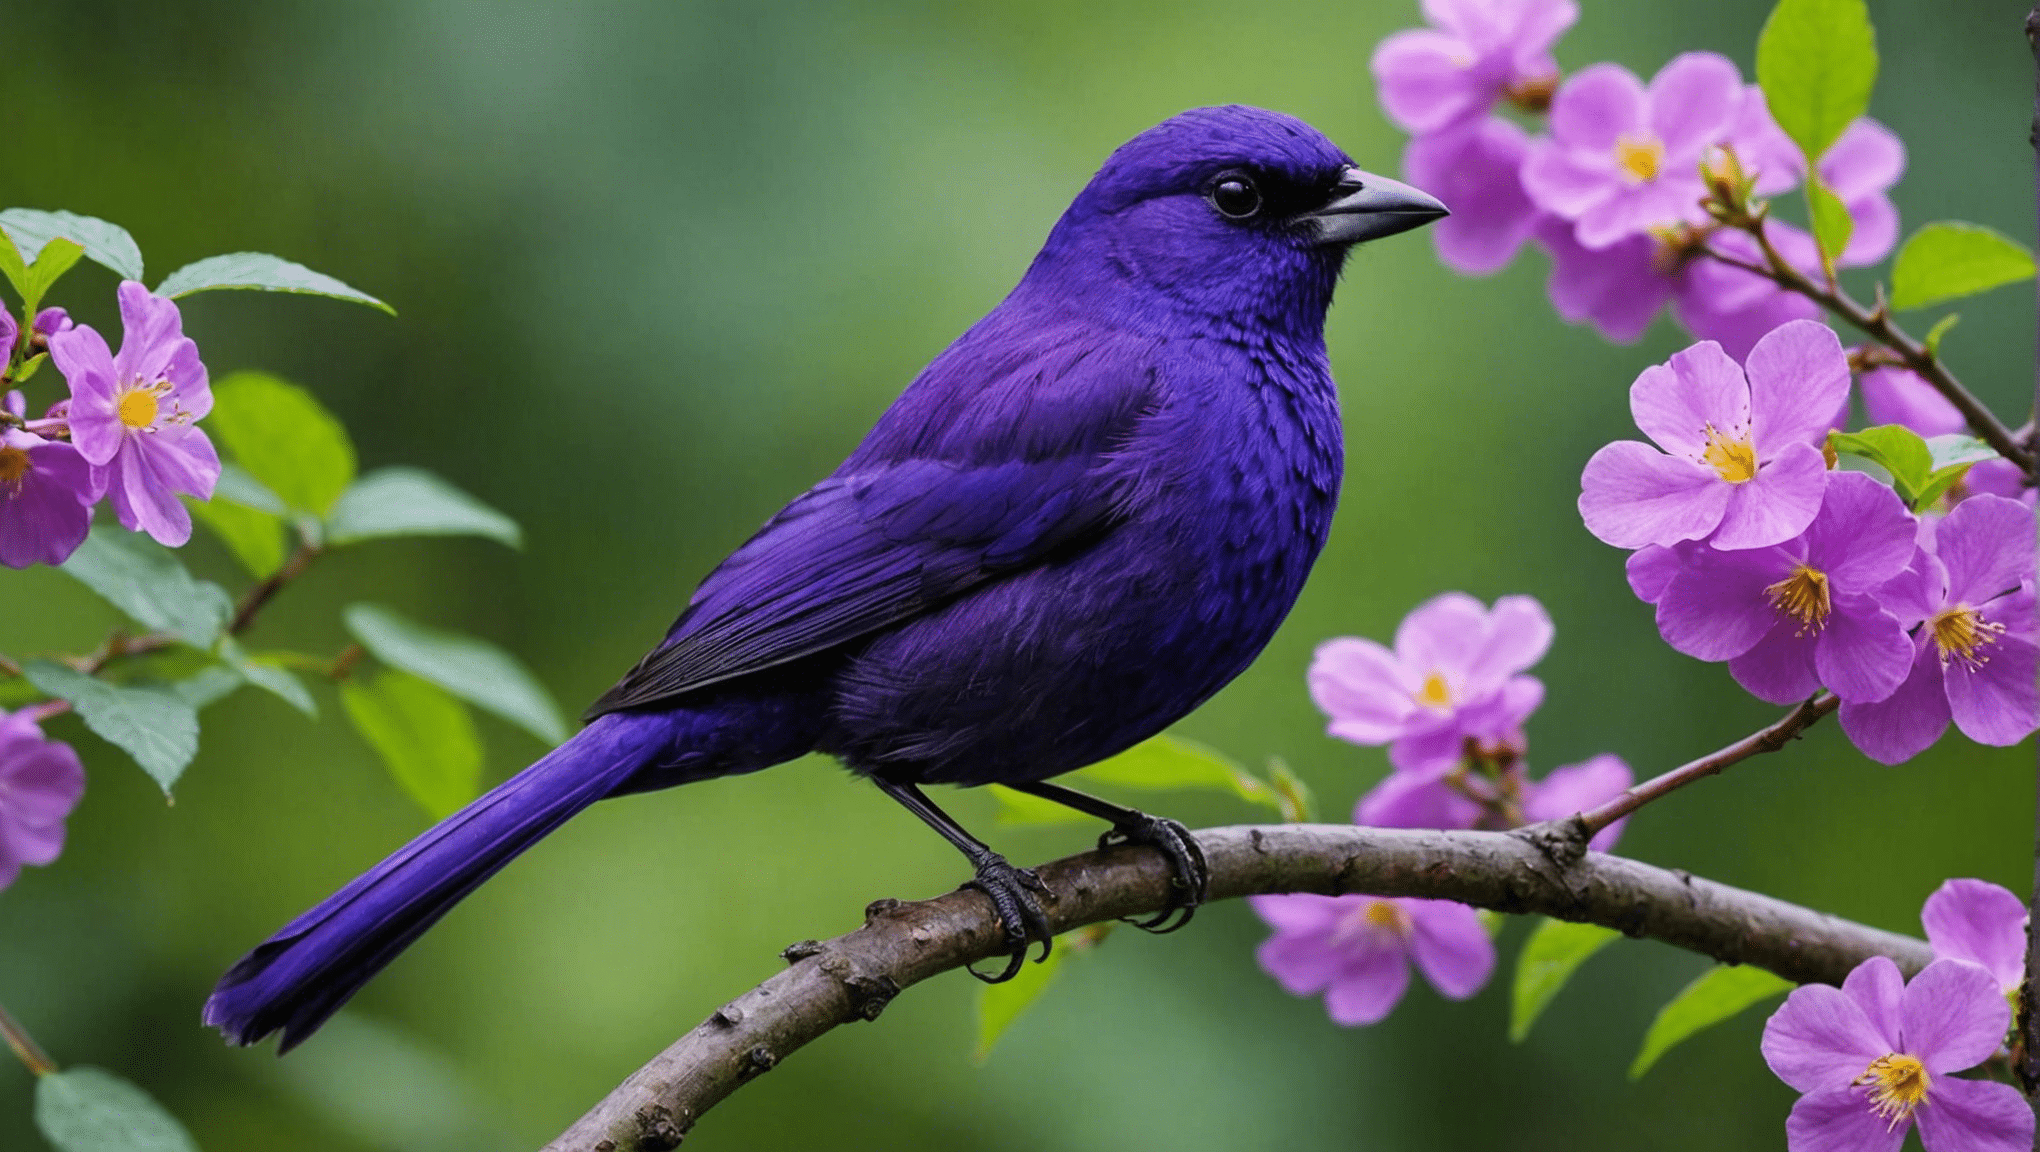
260,594
1768,739
1878,325
24,1045
1542,868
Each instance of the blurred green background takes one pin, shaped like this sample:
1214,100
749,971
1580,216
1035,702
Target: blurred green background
659,265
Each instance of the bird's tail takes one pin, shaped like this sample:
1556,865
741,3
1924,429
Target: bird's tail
297,978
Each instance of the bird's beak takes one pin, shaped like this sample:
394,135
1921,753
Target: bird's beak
1367,207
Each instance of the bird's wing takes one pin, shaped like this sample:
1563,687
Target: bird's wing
980,482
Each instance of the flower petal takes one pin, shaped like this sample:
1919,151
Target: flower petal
1519,633
1632,495
1775,505
1578,787
1368,987
1617,289
1878,989
1715,608
1299,913
1997,703
1863,536
1821,1038
1697,389
1778,669
1451,948
1863,654
1303,963
1424,80
1596,106
1693,101
1363,688
1865,159
1562,181
1415,800
1475,171
1975,1116
81,355
1840,1120
1954,1016
1980,922
1799,376
1988,547
1442,635
142,501
151,330
1907,722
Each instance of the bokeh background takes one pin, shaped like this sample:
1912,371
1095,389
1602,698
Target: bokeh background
659,265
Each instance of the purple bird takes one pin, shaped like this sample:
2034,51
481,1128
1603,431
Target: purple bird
1086,516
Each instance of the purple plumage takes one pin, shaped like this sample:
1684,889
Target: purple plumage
1083,518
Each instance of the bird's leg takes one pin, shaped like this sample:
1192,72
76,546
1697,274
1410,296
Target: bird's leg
1191,883
1010,889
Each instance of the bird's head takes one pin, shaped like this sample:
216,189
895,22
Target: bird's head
1232,212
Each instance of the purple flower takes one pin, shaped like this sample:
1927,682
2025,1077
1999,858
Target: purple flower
1417,800
1974,657
1452,677
1900,396
1622,159
1472,167
1570,790
1877,1054
1475,53
51,321
133,416
1357,949
1981,923
40,782
1739,468
1994,477
1803,613
1859,168
46,498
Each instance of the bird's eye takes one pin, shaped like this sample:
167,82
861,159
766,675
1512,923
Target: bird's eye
1235,196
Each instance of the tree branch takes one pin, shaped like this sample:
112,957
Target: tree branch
1541,868
1768,739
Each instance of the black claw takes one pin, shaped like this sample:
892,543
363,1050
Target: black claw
1011,891
1190,882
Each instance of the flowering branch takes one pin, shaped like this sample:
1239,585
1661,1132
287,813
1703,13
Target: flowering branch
1543,868
1877,323
1768,739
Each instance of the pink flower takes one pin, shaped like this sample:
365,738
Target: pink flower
1974,657
1805,612
1899,396
1623,159
133,416
1472,167
1981,923
1877,1055
1740,467
1572,789
1357,950
40,782
1452,677
1859,168
46,496
1476,53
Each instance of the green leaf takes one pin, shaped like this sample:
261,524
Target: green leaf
147,581
105,244
1719,993
1172,762
999,1005
284,438
423,734
474,670
254,537
267,676
1831,223
12,265
1949,259
87,1109
1817,61
412,502
1554,951
262,272
154,725
1894,448
1292,796
1025,810
208,686
1940,329
1956,448
57,258
29,367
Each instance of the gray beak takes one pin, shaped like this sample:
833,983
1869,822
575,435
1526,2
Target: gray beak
1367,207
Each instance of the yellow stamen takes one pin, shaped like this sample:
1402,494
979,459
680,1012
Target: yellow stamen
137,407
1374,919
1435,693
1382,914
1898,1084
1960,631
1640,156
1733,460
13,465
1804,597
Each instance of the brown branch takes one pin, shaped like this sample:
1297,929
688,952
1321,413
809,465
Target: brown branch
1878,325
259,595
1769,739
1540,869
24,1045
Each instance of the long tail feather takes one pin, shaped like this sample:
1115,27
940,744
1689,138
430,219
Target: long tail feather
304,973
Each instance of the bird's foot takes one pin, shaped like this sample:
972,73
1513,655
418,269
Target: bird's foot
1190,879
1012,891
